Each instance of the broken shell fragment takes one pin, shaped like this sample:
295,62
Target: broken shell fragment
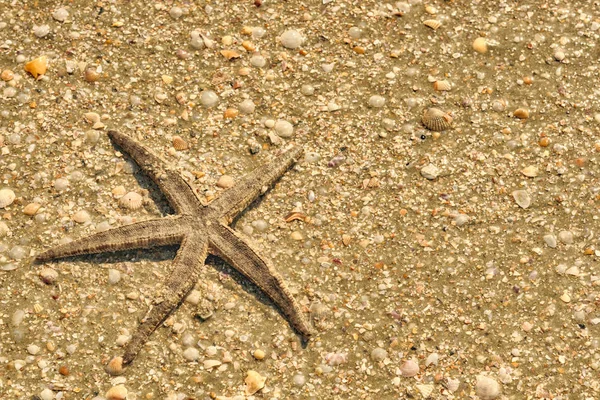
432,23
230,54
530,171
37,66
442,86
254,382
437,120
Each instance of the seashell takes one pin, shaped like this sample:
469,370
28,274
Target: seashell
119,191
131,200
7,75
499,105
7,196
81,217
425,390
530,172
452,384
409,368
31,209
179,143
334,359
37,66
295,215
91,74
115,366
230,54
521,113
254,382
442,86
230,113
480,45
522,198
436,120
118,392
432,23
487,388
248,45
92,117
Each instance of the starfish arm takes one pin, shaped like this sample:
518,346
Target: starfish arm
187,264
230,246
157,232
232,201
178,192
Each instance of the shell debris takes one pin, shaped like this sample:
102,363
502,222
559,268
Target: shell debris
37,66
254,382
432,23
442,86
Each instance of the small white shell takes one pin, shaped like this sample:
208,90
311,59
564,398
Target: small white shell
442,86
409,368
487,388
436,120
131,200
7,196
425,390
432,23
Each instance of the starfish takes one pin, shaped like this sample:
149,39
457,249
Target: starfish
198,229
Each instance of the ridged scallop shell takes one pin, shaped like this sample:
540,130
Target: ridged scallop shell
436,120
442,86
432,23
131,200
179,143
7,196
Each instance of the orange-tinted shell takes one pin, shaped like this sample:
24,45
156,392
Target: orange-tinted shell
37,66
179,143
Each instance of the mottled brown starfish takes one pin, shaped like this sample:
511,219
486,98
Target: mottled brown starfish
198,229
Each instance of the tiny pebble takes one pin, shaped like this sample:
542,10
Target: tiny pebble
522,198
225,182
61,14
114,276
566,237
33,349
430,172
48,275
247,106
259,354
284,129
379,354
291,39
118,392
209,99
376,101
487,388
46,394
191,354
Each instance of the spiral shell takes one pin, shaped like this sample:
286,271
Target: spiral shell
436,120
442,86
131,200
432,23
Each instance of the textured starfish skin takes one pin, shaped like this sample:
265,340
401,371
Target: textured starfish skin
198,229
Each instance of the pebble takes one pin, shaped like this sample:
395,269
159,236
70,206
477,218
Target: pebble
566,237
432,359
46,394
210,364
247,106
550,240
17,317
299,380
480,45
33,349
31,209
175,12
258,61
225,182
209,99
48,275
7,196
522,198
487,388
118,392
307,90
114,276
291,39
17,252
284,129
4,229
376,101
41,30
61,184
430,172
81,217
60,14
259,354
191,354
